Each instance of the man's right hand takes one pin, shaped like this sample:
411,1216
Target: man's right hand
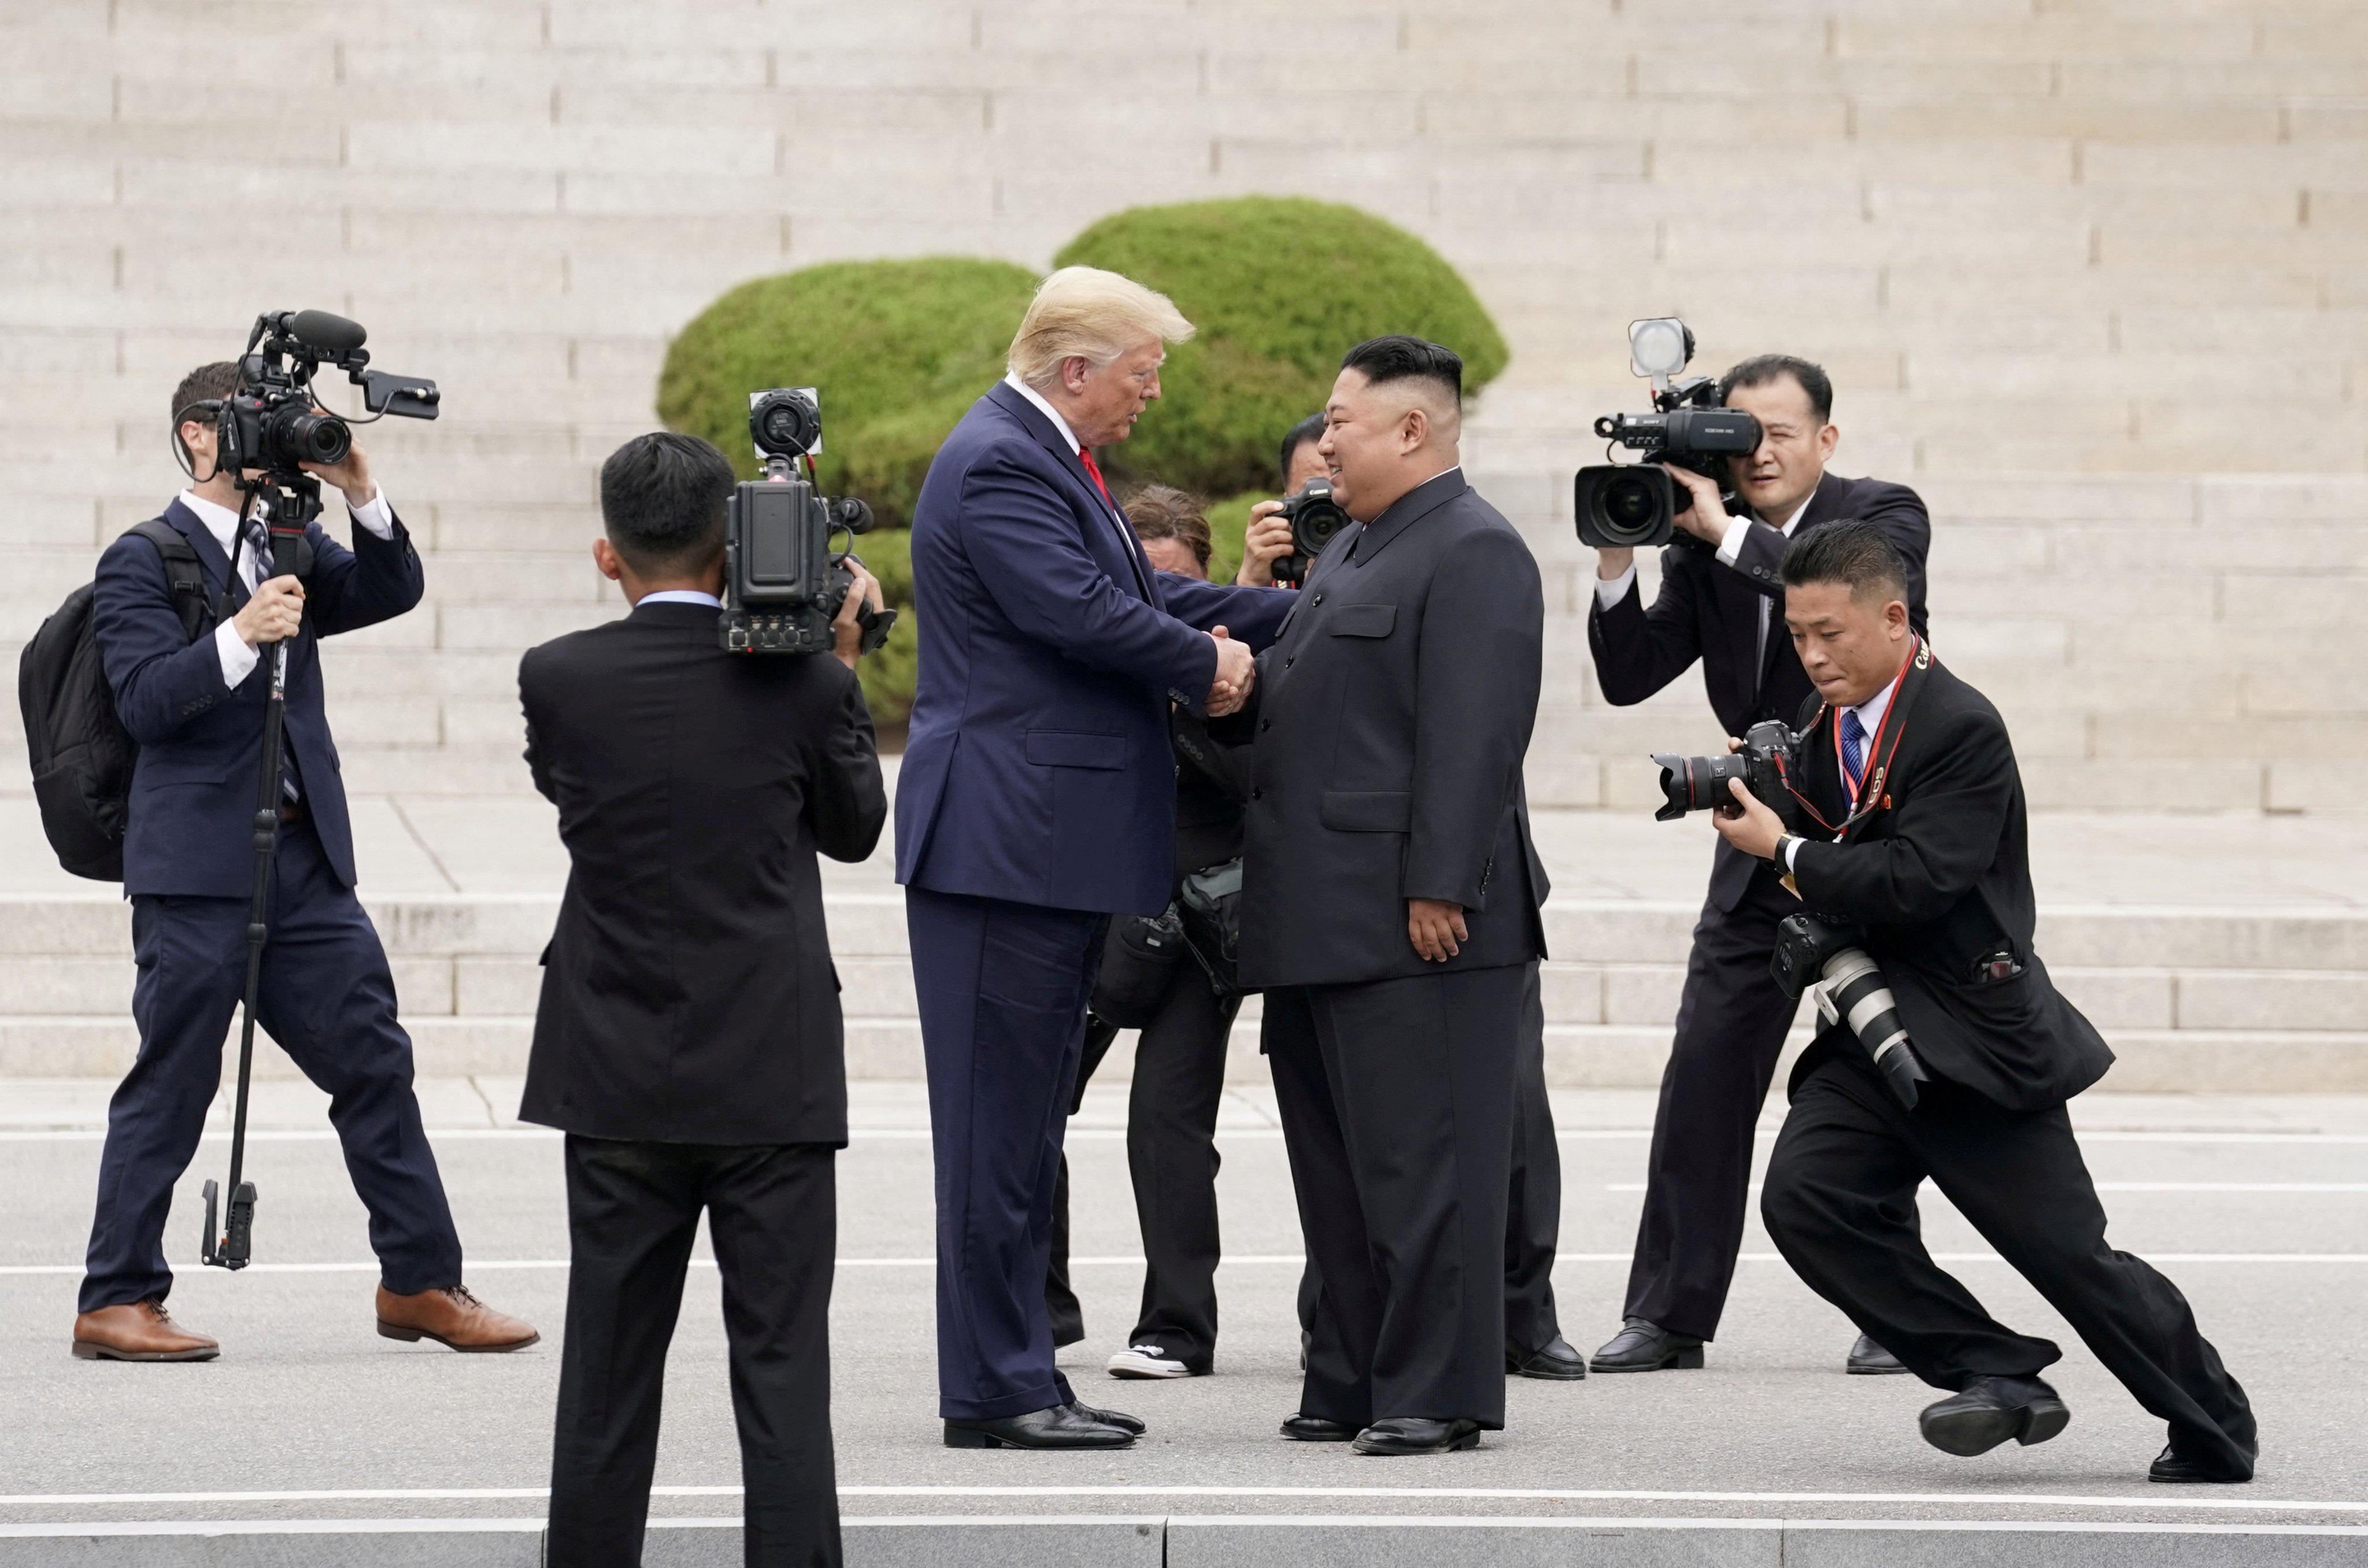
1264,542
1237,668
274,613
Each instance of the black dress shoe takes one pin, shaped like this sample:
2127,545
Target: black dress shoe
2172,1466
1117,1418
1316,1429
1059,1427
1991,1410
1868,1359
1417,1434
1554,1361
1645,1346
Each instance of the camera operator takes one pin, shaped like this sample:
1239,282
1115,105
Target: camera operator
1390,909
1266,540
1923,853
1179,1058
196,708
1720,588
689,1039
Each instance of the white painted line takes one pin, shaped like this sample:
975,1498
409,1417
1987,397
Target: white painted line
277,1527
2167,1500
887,1135
2142,1187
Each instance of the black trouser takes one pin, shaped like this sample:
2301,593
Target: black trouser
1840,1203
1171,1155
1732,1021
1533,1199
1396,1099
632,1212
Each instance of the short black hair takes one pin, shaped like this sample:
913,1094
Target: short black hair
1308,429
662,500
207,383
1400,358
1762,368
1857,554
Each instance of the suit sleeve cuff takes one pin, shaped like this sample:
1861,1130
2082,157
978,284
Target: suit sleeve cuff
375,515
238,660
1730,546
1610,591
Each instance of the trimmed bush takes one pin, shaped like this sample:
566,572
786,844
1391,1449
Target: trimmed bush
899,350
1280,287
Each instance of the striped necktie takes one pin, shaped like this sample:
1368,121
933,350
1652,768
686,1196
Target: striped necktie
1853,751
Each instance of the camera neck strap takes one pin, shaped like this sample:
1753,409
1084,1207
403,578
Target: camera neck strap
1881,746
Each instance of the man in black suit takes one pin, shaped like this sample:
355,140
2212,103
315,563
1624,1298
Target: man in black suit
1910,777
688,1036
1719,603
1390,909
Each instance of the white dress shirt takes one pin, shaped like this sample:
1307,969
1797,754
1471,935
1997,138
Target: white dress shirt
1050,413
1730,551
1870,721
238,660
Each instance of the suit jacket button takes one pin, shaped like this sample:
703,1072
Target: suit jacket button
1257,793
1289,661
1319,599
1265,725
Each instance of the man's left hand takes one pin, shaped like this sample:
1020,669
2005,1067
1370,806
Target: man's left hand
352,476
1706,520
1750,826
1436,928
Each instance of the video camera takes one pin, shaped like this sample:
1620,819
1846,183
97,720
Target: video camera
1769,753
273,422
1315,519
1633,506
782,583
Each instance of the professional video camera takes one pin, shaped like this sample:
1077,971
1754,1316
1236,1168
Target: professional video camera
1770,752
1812,950
1630,506
273,423
1314,518
782,583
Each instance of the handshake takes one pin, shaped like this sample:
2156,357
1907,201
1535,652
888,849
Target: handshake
1237,671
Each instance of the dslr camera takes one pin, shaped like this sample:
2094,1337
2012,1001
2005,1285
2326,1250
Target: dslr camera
1812,949
1632,506
782,583
1769,755
1314,518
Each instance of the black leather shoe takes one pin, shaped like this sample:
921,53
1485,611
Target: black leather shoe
1059,1427
2171,1465
1117,1418
1645,1346
1316,1429
1554,1361
1417,1434
1868,1359
1991,1410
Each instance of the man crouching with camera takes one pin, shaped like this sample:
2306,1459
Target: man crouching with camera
1921,865
688,1036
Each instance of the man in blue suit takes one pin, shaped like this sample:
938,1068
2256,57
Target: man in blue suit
197,709
1037,799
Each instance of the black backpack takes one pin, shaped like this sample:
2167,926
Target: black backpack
82,755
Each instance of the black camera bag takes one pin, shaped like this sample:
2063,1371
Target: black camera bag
1211,903
1139,962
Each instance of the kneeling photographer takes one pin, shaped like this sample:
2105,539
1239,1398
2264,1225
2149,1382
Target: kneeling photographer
701,751
1719,589
1950,1054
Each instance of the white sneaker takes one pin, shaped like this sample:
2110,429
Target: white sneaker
1146,1361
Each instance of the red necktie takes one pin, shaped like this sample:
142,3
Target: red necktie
1087,455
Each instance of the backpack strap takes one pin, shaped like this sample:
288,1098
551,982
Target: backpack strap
187,577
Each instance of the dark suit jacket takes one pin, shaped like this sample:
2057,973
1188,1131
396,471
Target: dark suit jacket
1391,717
1710,611
1941,876
193,790
689,995
1037,765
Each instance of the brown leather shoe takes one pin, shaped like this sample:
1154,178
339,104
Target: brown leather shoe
451,1316
138,1331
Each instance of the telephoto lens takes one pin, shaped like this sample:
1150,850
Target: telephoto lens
1813,950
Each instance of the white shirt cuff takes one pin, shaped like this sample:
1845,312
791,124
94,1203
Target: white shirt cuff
1730,546
374,514
1612,591
237,659
1793,855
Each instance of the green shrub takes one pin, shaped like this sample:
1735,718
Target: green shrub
899,350
1279,289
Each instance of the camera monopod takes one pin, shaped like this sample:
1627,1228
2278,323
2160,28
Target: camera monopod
291,502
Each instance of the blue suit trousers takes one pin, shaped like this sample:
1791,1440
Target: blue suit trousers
1003,989
328,999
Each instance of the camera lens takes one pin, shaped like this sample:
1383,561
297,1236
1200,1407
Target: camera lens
302,436
1629,504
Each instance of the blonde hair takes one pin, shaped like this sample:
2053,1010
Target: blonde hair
1085,312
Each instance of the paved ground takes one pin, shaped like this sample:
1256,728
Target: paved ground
2257,1206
